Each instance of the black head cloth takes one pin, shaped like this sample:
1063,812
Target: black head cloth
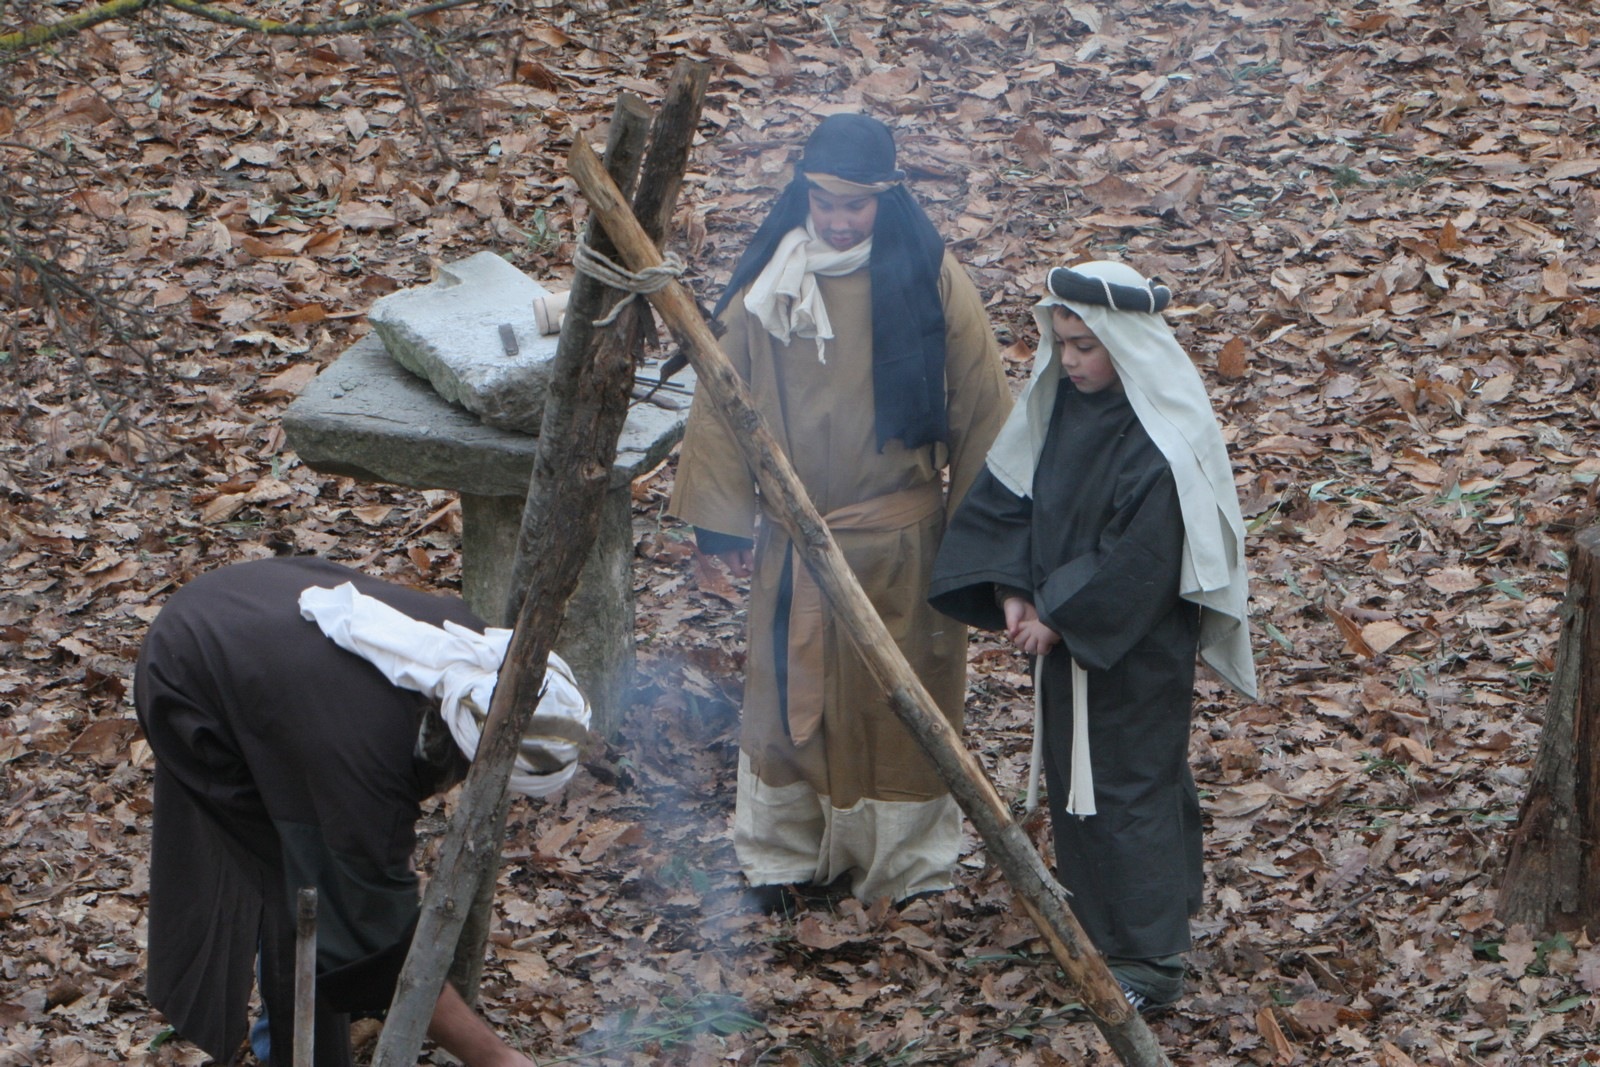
1068,284
908,327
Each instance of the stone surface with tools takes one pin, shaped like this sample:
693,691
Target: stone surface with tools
473,334
368,417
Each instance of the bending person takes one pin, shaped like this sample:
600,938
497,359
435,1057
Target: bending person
283,761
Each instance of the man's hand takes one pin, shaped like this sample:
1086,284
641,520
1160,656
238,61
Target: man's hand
462,1032
1026,630
739,561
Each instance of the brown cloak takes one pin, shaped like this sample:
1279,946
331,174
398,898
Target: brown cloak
822,415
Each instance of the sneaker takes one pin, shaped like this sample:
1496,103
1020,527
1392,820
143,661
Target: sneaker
770,899
1143,1004
822,897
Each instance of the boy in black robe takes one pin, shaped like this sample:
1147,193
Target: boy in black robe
281,761
1104,537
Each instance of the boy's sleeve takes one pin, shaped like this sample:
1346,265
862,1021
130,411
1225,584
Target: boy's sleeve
1104,602
986,544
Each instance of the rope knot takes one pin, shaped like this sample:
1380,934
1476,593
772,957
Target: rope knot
610,273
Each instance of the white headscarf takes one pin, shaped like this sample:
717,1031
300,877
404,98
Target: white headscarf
454,665
1170,399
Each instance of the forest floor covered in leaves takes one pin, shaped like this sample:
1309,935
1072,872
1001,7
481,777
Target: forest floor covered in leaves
1380,219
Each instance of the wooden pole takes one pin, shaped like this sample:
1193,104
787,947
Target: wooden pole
590,419
572,471
659,178
589,300
1552,875
305,977
574,475
785,498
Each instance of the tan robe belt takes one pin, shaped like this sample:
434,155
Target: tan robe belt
807,608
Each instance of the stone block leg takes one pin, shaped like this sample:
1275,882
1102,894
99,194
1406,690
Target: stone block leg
597,634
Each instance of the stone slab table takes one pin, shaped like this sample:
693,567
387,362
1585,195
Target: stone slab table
367,417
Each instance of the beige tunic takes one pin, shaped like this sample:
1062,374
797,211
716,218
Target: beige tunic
857,795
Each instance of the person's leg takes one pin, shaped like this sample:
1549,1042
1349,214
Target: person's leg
260,1031
777,830
261,1038
1134,867
894,849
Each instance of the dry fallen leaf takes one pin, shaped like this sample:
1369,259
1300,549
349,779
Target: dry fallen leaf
1273,1037
290,380
1233,359
1381,636
712,579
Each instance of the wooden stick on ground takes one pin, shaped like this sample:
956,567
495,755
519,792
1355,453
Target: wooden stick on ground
305,977
785,498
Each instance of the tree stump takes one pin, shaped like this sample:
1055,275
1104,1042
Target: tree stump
1552,874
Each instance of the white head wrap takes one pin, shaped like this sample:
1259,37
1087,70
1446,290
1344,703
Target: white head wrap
1170,399
455,666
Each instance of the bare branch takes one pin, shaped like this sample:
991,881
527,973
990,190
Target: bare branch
33,36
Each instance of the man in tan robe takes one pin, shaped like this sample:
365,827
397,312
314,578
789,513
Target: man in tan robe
868,351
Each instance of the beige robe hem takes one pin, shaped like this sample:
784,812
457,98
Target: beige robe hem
790,834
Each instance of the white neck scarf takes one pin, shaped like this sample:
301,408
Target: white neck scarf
785,296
